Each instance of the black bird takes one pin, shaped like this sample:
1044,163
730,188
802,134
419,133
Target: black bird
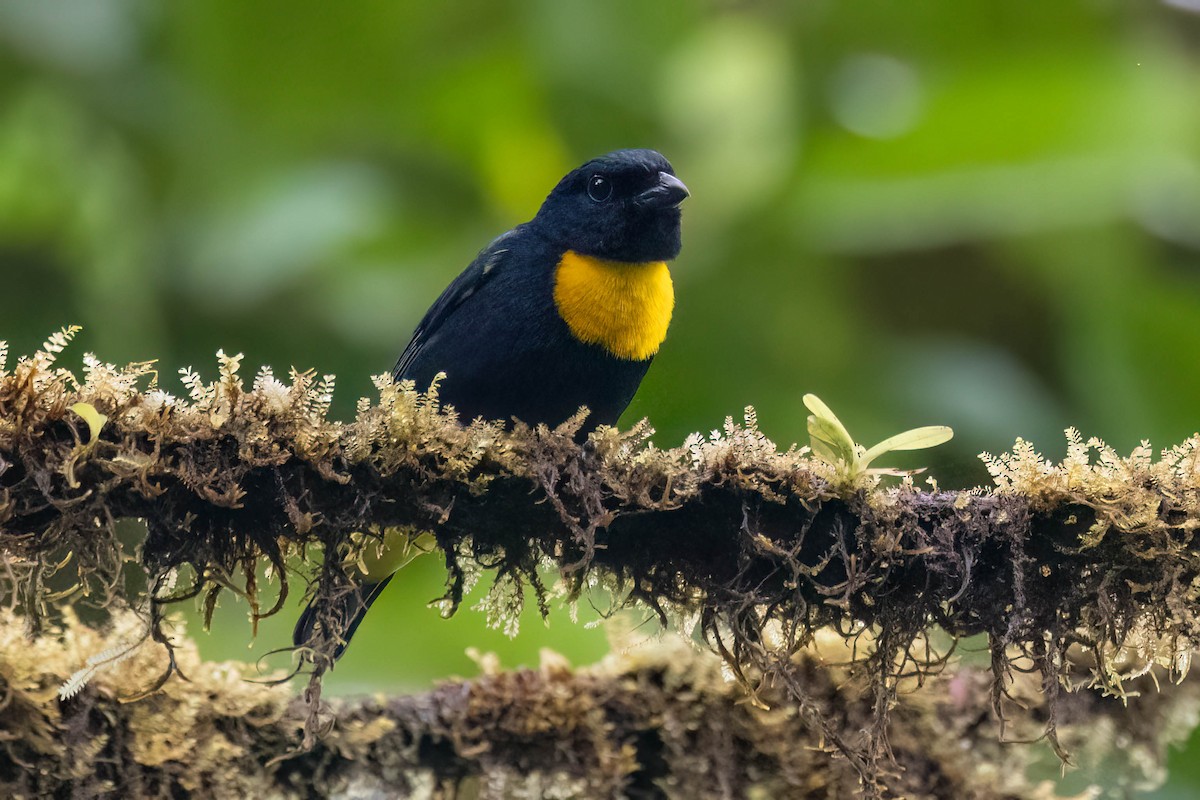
563,311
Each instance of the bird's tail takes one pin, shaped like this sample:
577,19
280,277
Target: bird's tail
349,612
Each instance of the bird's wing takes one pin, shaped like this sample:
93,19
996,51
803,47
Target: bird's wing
478,273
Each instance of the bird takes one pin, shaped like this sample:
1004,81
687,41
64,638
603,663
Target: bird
563,311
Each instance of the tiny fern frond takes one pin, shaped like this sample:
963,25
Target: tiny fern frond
58,342
95,665
194,384
44,358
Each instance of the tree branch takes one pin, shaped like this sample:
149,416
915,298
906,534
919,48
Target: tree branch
764,548
658,722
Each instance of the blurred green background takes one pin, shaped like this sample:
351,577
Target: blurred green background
981,214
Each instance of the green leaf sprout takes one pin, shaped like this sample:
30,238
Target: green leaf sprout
832,443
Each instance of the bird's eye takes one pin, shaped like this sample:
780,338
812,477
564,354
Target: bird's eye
599,188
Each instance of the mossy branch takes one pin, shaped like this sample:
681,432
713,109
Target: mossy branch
658,721
1088,562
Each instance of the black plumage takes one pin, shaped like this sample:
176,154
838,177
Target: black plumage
498,335
495,330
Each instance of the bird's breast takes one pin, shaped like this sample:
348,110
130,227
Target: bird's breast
623,307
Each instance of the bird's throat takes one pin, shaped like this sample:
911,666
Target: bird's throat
623,307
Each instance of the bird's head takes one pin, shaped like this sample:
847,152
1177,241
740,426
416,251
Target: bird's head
623,206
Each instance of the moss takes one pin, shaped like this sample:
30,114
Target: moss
1084,572
661,720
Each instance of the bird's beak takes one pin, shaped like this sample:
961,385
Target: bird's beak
668,193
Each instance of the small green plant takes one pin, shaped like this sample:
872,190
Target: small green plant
94,419
832,443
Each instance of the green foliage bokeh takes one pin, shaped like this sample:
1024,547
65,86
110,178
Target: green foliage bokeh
984,215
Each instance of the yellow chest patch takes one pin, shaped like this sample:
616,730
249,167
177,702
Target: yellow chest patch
625,308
